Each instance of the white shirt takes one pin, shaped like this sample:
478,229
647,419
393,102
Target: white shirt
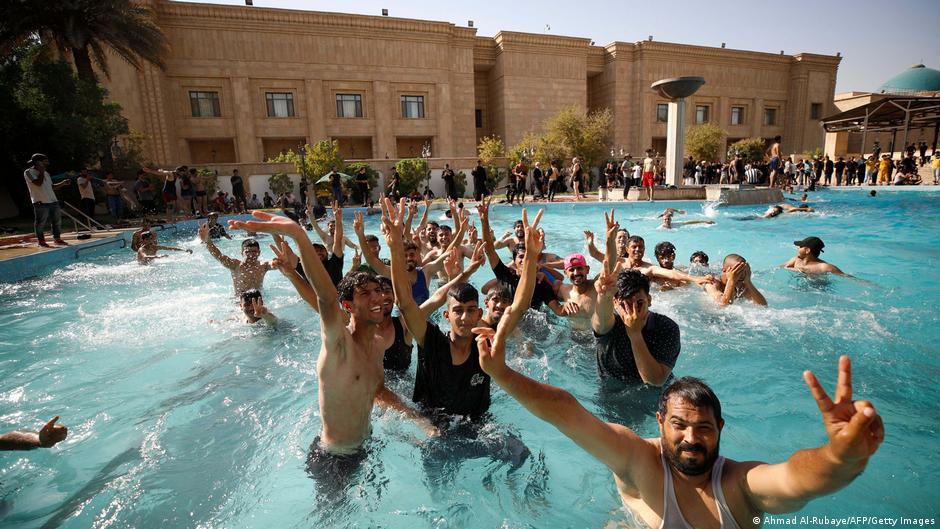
42,193
86,191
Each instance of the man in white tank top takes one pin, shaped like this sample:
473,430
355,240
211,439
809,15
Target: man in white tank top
679,480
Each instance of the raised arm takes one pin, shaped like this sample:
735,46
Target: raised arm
286,261
436,264
332,322
392,225
372,260
484,209
616,446
855,432
591,248
439,297
338,239
226,261
603,319
534,244
48,436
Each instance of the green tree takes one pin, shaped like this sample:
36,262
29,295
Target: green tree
85,29
353,169
319,160
280,184
704,142
573,132
491,151
413,171
751,149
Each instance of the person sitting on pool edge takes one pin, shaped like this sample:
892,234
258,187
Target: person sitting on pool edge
734,283
676,479
253,307
147,250
349,368
807,258
47,437
247,274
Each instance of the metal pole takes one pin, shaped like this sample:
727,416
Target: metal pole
936,128
864,133
907,125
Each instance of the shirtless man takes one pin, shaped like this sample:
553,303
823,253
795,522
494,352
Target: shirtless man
579,297
773,154
327,236
147,251
145,226
636,248
623,237
349,365
47,437
254,310
216,230
669,224
807,258
666,275
734,283
679,479
777,209
246,274
512,237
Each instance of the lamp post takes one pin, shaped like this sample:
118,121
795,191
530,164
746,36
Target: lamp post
426,154
311,190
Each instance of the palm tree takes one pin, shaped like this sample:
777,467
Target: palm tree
85,29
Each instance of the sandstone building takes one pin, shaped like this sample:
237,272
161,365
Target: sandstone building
244,83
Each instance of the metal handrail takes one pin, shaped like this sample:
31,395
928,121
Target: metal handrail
75,222
100,244
83,214
176,228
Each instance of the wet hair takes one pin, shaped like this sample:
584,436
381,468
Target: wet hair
695,392
372,238
636,238
629,282
664,248
446,228
146,235
501,291
624,230
700,255
318,246
463,293
517,223
250,242
435,224
516,249
250,294
347,287
410,246
384,281
732,258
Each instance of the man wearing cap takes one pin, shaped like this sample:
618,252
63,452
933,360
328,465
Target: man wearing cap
807,258
579,297
42,195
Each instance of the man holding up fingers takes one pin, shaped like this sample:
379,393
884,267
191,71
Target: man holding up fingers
634,345
253,307
734,283
50,434
679,480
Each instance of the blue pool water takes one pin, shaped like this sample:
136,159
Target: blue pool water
181,416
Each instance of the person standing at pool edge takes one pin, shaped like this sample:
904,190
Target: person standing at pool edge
45,204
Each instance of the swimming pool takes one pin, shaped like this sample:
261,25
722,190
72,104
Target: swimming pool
181,416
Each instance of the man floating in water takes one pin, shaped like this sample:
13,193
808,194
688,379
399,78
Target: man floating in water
680,479
777,209
669,224
734,283
253,307
47,437
247,274
147,250
807,258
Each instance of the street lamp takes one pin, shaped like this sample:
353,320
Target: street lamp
310,190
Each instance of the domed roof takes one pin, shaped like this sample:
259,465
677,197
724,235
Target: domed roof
917,78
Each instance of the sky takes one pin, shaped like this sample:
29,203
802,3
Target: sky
877,39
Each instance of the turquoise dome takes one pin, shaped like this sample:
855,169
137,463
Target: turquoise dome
917,78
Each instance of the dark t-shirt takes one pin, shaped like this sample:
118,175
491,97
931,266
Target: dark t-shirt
335,179
334,267
216,231
543,289
237,184
615,355
444,387
268,202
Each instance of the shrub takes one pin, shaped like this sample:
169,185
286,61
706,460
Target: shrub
280,184
704,142
460,181
414,172
751,149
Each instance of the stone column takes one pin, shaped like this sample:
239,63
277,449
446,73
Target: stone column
246,144
758,123
385,112
675,141
316,119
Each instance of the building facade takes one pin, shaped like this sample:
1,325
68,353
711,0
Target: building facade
243,84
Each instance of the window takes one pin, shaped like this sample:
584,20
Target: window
479,116
412,106
205,104
348,106
701,114
662,113
770,116
815,110
737,115
280,104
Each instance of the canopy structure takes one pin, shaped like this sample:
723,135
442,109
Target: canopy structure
888,114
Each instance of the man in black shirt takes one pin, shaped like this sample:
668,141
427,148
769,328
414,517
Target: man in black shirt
449,381
543,293
739,176
238,191
450,185
538,190
479,182
634,345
